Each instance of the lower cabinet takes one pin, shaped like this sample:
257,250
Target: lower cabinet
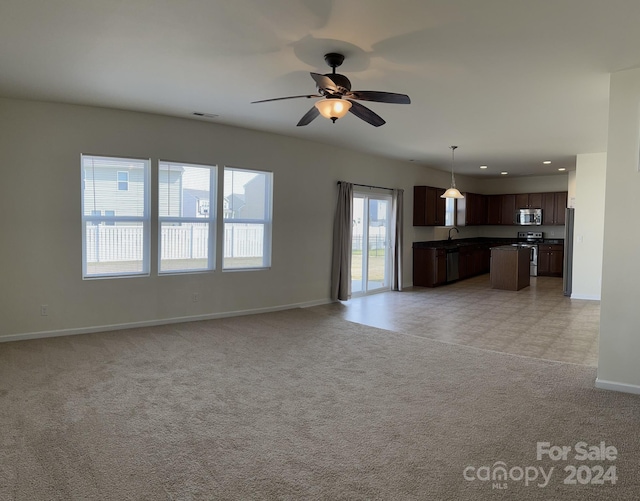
429,267
474,260
550,260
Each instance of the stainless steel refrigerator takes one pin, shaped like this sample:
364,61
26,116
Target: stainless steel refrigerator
567,274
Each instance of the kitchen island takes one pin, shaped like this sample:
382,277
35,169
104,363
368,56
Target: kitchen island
510,267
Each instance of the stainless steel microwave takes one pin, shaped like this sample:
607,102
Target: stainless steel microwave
528,217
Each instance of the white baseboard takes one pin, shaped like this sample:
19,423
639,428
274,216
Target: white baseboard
585,296
615,386
152,323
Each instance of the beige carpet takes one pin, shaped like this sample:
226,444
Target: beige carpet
294,405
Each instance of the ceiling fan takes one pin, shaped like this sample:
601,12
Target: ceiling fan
339,98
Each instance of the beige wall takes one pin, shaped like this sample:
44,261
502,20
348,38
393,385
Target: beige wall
589,225
618,365
41,251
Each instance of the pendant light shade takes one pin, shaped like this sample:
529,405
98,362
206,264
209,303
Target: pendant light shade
453,191
333,108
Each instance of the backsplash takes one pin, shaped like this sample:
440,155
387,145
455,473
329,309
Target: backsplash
442,233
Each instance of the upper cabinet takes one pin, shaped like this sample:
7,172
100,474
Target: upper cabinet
494,209
553,208
472,209
529,201
428,208
508,209
475,209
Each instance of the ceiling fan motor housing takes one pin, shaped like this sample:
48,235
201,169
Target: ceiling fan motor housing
342,83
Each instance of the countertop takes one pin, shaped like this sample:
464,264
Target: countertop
463,242
510,248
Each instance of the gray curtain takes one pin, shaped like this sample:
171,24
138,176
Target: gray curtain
396,239
342,232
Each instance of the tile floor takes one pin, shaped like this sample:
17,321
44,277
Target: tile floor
537,321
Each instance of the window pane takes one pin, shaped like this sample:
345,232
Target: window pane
184,190
186,208
450,211
114,249
246,194
243,245
184,246
247,217
103,188
115,213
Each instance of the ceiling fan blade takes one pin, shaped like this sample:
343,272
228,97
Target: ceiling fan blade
324,82
365,114
379,97
309,116
308,96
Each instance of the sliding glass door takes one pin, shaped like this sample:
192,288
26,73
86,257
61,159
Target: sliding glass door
370,243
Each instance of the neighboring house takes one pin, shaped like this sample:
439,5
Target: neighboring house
170,195
195,203
111,190
254,190
234,205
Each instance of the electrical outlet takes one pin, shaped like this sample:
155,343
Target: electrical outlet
44,310
195,297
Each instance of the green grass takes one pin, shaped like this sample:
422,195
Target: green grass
376,265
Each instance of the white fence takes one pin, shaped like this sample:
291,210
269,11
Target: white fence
125,243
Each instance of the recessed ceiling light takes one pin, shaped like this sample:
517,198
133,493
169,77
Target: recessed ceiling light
504,173
561,169
547,162
483,166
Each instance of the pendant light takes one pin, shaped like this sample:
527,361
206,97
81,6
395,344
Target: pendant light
453,191
333,108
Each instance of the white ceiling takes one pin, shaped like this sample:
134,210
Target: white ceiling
511,82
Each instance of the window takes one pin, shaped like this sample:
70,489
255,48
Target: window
450,212
247,219
123,180
115,245
186,194
110,213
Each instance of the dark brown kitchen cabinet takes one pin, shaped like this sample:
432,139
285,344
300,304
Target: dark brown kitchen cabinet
550,260
508,209
472,209
465,262
553,208
529,201
494,209
560,207
429,267
428,208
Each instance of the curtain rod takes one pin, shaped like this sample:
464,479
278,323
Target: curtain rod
368,186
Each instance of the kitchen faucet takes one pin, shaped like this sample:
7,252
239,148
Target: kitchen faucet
454,228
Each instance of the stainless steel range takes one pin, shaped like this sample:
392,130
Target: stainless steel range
531,239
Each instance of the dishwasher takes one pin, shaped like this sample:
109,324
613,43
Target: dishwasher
452,265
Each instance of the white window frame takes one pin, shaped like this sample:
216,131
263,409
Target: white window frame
145,219
210,219
267,222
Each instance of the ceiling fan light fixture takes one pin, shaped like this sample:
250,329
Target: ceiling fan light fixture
333,108
452,192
